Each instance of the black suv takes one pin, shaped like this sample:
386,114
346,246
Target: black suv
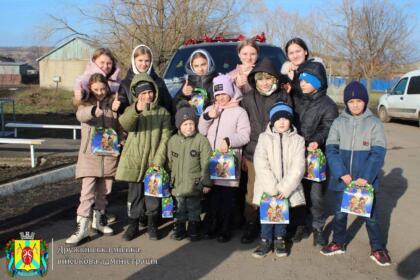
225,57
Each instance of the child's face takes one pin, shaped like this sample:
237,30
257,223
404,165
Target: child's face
222,99
200,66
248,56
99,90
104,63
296,54
265,84
282,125
356,106
146,96
306,87
142,62
187,128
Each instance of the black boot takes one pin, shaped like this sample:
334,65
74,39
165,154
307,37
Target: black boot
152,229
193,230
210,228
319,239
132,230
250,233
225,232
143,220
179,231
302,232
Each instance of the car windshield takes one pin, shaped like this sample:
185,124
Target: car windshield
224,56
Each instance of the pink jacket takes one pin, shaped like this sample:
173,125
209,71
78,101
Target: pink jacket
232,123
82,81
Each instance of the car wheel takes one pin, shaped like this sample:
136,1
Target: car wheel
383,115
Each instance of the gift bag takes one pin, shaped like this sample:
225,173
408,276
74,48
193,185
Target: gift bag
167,207
198,99
358,200
104,142
274,210
156,182
223,165
316,166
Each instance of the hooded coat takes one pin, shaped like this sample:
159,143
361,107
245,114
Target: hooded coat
148,134
315,113
258,106
194,80
126,98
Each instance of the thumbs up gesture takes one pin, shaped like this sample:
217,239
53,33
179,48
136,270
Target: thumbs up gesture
187,89
116,103
214,111
98,112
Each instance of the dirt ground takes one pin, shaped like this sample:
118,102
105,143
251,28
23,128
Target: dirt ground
167,259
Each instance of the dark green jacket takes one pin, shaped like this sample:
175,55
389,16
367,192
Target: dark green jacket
188,159
148,135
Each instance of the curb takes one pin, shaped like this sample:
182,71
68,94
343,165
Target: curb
38,180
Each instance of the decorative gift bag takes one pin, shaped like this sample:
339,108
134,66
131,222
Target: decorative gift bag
274,210
223,165
156,182
358,200
316,166
104,142
167,207
198,99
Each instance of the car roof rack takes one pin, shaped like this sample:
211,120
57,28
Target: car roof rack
221,38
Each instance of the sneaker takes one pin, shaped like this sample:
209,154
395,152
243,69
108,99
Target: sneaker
319,239
263,249
280,247
381,257
333,249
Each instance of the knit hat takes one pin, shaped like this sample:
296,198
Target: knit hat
222,84
185,112
143,86
312,79
280,110
355,90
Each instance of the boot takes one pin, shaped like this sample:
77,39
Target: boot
225,232
193,230
143,220
132,230
100,223
179,231
301,233
250,233
280,247
319,239
82,232
152,229
210,228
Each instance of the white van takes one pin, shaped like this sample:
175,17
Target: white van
403,101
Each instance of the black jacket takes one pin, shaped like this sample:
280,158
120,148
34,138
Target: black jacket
258,106
164,98
314,114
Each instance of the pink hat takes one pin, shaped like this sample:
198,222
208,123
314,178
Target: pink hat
222,84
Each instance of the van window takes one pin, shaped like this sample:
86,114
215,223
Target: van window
400,87
414,85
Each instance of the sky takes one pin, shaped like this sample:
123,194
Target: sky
22,20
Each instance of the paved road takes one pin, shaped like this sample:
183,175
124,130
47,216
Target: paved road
167,259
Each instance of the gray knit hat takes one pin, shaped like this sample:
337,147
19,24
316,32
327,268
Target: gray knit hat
185,112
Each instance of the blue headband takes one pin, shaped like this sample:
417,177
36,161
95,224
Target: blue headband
280,106
309,78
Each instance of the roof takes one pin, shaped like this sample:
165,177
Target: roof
8,63
87,41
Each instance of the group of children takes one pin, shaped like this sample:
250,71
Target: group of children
267,129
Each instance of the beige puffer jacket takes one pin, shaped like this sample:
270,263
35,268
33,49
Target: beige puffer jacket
279,162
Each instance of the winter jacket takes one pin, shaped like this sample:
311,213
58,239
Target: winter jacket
148,134
82,81
356,145
88,164
233,124
188,160
126,98
204,82
258,106
314,114
279,163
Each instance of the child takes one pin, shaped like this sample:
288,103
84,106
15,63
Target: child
315,112
96,171
356,148
226,126
188,157
279,162
149,129
263,80
200,69
103,62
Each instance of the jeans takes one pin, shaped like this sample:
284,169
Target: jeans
188,208
314,195
267,231
340,224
